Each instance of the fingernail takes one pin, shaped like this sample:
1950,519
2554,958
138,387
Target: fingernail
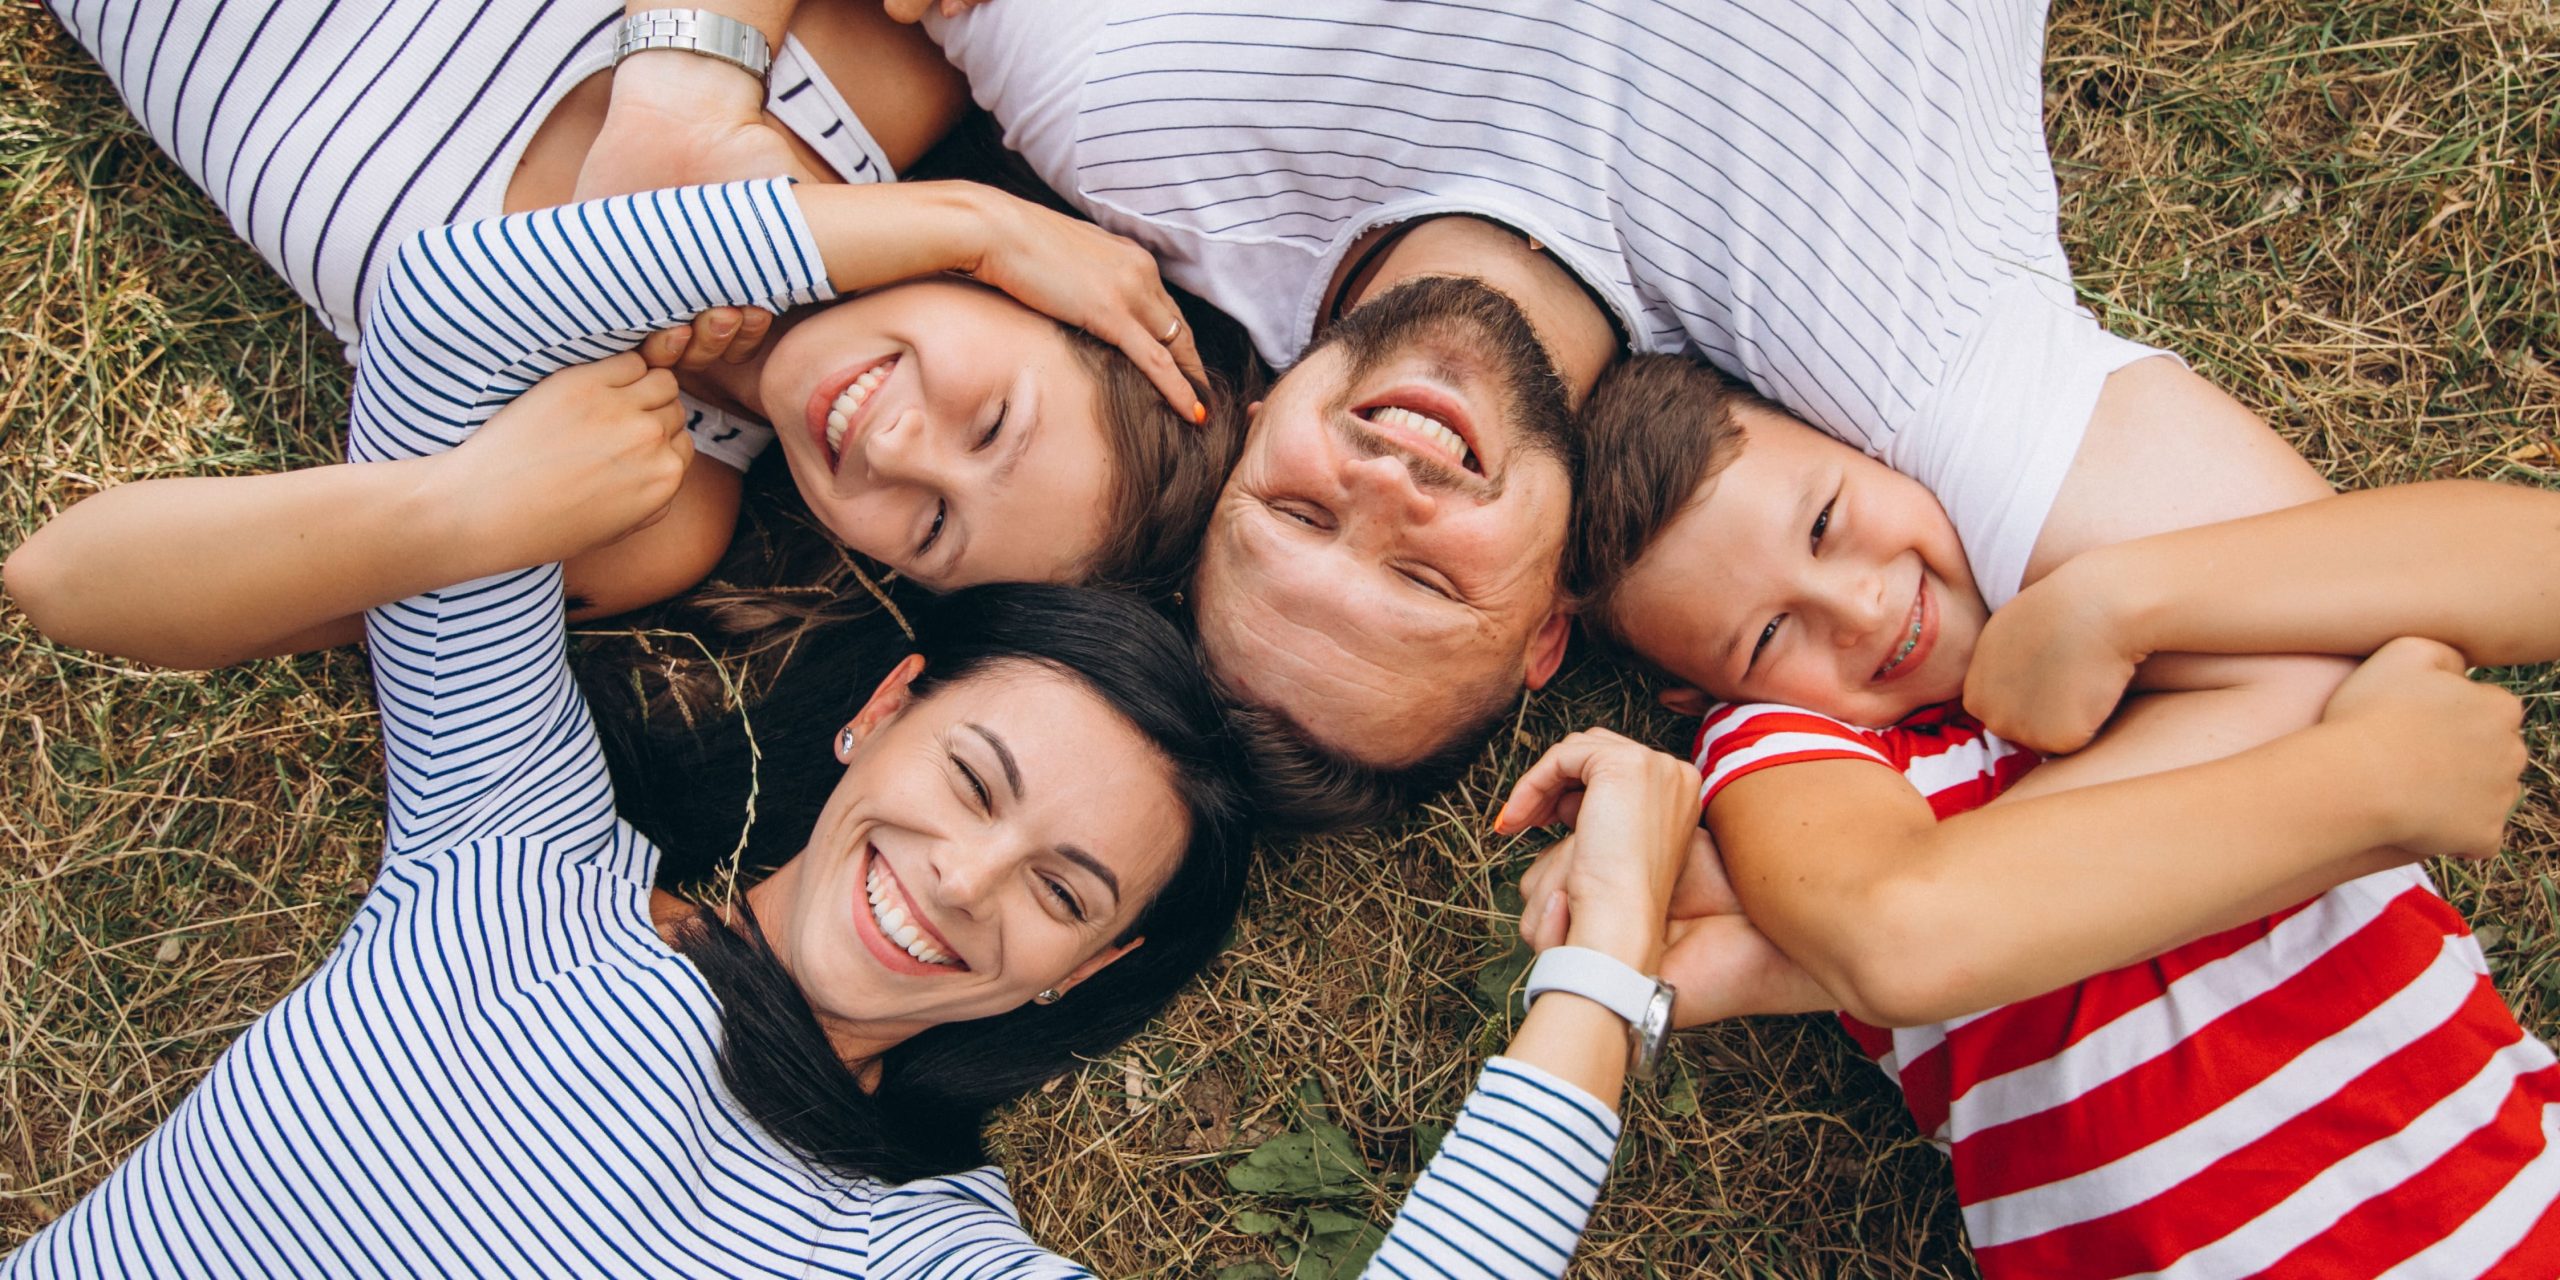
1199,413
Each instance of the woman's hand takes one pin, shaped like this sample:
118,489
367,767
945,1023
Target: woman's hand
2448,749
1105,284
679,119
2053,663
590,454
722,335
1634,811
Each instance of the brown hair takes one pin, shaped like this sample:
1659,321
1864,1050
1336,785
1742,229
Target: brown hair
1655,432
1165,472
1302,788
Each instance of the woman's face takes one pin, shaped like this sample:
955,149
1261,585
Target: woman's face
985,844
945,431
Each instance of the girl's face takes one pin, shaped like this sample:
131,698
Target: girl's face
1806,574
945,431
986,843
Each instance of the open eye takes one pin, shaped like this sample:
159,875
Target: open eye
1767,634
1822,525
941,511
994,428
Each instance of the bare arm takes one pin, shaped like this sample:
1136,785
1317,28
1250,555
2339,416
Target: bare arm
1908,920
2471,564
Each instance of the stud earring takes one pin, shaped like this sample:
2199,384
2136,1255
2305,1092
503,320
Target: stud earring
844,741
1050,996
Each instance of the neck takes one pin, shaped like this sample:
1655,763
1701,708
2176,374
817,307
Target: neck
1572,327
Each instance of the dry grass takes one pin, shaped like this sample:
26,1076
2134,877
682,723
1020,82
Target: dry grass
2345,215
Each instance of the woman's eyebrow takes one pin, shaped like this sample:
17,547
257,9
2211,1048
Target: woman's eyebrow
1078,856
1004,757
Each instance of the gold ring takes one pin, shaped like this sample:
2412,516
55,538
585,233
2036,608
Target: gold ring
1170,331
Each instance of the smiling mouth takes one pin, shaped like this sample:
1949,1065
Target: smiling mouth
1911,636
846,409
889,911
1426,422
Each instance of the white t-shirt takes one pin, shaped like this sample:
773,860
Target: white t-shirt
1849,206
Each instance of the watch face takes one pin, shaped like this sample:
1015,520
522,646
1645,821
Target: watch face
1652,1031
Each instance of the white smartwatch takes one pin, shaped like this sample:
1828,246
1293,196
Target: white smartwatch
1613,984
712,35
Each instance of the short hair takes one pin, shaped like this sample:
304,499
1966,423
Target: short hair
1166,471
1656,430
1302,787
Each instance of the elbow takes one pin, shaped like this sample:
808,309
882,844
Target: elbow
44,588
1912,963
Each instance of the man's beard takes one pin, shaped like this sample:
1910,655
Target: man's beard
1485,322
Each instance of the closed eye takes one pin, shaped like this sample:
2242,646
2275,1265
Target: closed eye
994,428
986,803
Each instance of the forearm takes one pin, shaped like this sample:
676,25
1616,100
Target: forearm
2013,900
204,572
879,234
2471,564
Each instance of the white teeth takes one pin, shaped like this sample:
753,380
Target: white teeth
1428,427
849,402
891,916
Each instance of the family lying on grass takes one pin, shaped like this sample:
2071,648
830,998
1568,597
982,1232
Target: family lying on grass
2178,1002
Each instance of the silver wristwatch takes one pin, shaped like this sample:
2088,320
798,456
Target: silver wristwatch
695,31
1614,985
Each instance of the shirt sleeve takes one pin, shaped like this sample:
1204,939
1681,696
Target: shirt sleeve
1738,740
1511,1187
961,1225
483,729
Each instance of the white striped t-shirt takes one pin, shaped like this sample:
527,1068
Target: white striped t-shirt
328,132
2332,1092
500,1070
1848,203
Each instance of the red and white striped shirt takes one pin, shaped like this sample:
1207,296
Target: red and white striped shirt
2335,1090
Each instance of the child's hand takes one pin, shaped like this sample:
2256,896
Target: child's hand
722,334
1635,813
2051,665
590,454
2448,749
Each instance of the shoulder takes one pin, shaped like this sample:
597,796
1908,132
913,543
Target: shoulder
1737,739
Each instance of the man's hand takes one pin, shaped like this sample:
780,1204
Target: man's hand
2053,664
587,456
2448,750
914,10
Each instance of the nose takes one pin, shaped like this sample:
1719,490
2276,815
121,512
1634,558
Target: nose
902,450
1384,486
965,877
1860,604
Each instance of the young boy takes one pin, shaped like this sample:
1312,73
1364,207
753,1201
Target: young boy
2266,1074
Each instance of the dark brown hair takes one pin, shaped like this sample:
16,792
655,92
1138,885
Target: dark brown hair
1165,472
1656,430
1302,788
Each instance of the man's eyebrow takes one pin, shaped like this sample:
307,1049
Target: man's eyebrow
1078,856
1004,757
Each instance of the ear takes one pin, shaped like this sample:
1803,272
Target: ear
888,700
1100,961
1253,411
1546,648
1682,700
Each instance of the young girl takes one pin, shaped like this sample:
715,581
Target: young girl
2151,1033
330,134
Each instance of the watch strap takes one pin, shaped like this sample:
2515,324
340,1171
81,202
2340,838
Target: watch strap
1594,975
712,35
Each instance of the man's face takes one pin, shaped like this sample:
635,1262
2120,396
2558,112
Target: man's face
1385,554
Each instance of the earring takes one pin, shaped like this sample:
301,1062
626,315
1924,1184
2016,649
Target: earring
844,741
1050,996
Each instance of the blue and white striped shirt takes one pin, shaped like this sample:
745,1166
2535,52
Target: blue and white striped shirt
501,1069
1847,202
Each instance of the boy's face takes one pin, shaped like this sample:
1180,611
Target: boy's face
1808,574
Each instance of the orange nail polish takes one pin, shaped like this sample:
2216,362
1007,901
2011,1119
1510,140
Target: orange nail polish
1199,413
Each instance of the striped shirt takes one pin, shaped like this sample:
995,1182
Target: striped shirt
1848,203
500,1069
329,132
2334,1091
